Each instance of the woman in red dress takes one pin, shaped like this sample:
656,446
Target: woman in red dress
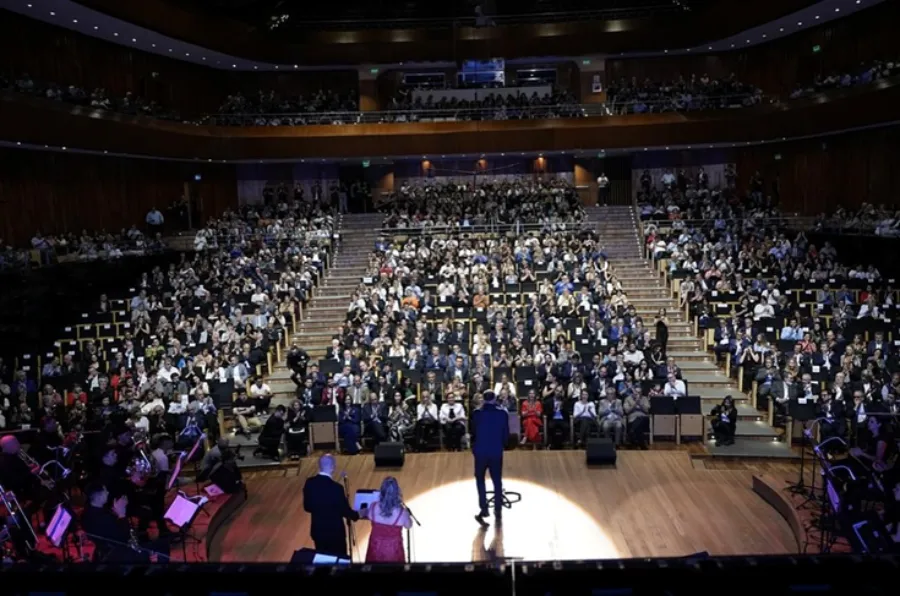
532,419
389,517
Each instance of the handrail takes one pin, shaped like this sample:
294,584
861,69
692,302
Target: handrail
416,113
518,228
694,223
412,114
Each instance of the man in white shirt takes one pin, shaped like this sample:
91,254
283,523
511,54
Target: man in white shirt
674,387
602,189
633,355
453,422
585,417
426,421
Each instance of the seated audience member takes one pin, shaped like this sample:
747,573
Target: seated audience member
557,420
427,422
532,419
612,416
637,413
724,421
373,416
349,427
453,422
584,416
297,425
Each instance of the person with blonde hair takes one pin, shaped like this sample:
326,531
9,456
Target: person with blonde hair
389,517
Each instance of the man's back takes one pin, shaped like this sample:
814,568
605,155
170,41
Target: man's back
490,429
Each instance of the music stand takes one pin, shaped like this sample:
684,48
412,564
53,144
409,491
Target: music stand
182,513
57,531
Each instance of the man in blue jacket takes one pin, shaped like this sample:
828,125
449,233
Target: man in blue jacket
490,432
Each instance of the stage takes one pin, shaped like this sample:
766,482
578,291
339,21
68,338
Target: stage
653,504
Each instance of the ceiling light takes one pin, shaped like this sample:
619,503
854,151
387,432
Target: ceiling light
665,51
116,34
170,49
152,45
799,23
234,66
64,148
133,40
764,35
204,58
276,68
748,41
255,67
29,6
187,53
817,17
837,10
52,14
857,1
781,29
96,27
105,151
709,48
732,45
295,66
74,20
20,142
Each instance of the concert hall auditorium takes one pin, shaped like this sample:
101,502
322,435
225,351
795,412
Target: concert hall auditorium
532,297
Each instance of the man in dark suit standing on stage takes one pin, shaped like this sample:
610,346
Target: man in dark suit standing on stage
490,432
327,504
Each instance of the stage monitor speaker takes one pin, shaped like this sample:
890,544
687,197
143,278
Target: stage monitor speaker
389,455
600,452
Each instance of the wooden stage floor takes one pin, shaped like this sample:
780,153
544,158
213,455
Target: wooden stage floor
653,504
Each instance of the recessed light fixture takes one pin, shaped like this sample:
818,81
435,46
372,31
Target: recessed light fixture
234,66
64,148
187,53
764,35
689,49
799,23
52,14
732,45
858,1
748,41
837,10
204,58
817,17
255,67
152,45
295,66
709,48
133,40
29,6
96,27
116,34
170,49
276,68
781,29
665,51
105,151
74,20
20,142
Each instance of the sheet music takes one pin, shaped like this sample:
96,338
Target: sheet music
182,511
56,531
365,496
214,491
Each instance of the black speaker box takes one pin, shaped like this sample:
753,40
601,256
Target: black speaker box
600,452
389,455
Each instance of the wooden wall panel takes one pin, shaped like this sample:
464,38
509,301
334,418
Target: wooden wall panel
66,192
818,175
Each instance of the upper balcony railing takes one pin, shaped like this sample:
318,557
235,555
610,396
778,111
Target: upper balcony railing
535,112
618,10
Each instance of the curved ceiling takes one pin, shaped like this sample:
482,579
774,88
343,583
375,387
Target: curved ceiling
78,17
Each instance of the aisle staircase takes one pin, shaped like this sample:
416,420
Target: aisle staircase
326,312
647,290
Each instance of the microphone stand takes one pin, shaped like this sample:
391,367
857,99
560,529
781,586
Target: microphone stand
409,533
351,535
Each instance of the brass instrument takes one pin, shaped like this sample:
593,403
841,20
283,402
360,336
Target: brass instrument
40,471
142,466
17,519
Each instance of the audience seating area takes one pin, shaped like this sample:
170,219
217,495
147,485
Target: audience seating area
171,354
812,340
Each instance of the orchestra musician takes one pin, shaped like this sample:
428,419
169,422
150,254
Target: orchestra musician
110,530
23,480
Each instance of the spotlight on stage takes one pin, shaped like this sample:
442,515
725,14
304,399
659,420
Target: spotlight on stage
544,525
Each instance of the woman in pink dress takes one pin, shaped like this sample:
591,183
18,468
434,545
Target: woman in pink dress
389,518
